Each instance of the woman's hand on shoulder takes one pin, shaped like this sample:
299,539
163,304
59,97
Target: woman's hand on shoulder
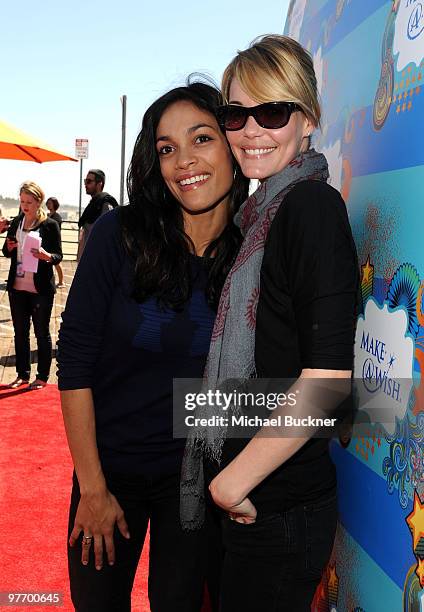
96,517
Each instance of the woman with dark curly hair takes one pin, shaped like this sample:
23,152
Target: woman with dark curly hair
140,313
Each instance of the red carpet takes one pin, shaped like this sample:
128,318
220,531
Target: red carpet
35,482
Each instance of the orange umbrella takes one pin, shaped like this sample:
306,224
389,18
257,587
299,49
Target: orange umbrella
15,144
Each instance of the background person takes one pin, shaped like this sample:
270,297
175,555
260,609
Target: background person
287,311
31,294
140,312
52,205
4,223
101,202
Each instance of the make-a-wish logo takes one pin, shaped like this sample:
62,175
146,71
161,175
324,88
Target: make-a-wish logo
409,33
383,363
416,20
376,375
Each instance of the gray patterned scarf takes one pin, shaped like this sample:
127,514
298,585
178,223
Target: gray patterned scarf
232,349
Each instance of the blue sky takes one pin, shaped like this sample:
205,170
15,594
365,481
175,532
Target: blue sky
65,65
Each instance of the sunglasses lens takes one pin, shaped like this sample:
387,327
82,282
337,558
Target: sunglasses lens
273,116
234,117
270,115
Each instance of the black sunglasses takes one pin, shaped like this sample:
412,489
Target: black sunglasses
270,115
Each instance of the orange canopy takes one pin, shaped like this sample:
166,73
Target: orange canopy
15,144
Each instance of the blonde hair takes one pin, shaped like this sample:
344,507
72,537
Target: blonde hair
37,193
276,68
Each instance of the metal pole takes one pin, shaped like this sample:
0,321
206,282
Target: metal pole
80,190
124,127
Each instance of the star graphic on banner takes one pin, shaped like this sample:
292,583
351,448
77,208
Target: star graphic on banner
415,520
333,579
321,599
367,268
419,570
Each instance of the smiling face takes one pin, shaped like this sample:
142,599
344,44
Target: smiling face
264,152
195,160
29,205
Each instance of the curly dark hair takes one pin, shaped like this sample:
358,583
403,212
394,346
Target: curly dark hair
152,223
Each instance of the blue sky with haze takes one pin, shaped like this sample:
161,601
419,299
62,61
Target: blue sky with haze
65,65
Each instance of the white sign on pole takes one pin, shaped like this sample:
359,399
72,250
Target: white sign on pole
81,148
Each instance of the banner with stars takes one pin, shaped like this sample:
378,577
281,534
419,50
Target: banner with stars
369,63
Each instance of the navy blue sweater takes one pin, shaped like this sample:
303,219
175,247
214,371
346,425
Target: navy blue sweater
128,354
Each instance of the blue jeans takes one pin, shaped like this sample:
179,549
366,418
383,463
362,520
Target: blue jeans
25,306
276,564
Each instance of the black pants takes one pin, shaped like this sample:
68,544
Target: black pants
276,564
25,306
177,558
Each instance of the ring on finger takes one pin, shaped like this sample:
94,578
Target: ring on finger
87,540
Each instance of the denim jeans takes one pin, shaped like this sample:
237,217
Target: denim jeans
25,306
177,561
276,563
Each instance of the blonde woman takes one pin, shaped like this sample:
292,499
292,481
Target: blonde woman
287,311
31,293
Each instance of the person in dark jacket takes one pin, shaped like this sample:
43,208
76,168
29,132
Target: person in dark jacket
101,202
52,205
31,294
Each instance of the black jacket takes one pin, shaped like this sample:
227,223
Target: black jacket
93,210
50,241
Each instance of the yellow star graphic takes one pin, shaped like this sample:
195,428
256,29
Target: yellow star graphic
333,580
419,570
367,268
415,520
